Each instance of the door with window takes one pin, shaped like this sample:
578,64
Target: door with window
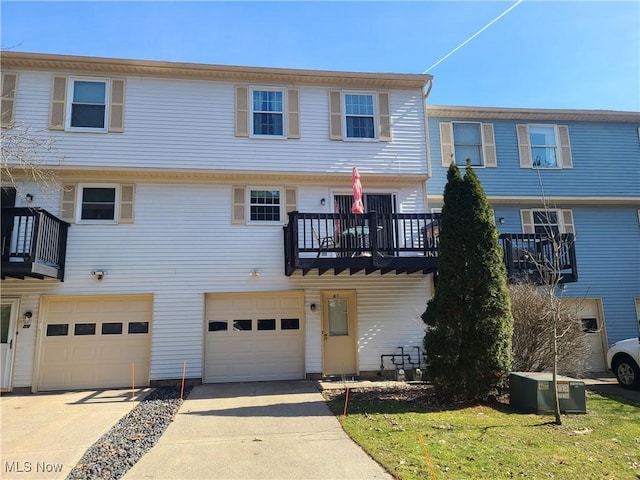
339,333
589,311
383,203
8,325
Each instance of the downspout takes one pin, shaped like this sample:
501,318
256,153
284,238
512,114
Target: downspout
425,95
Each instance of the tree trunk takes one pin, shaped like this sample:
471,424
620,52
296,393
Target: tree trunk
556,399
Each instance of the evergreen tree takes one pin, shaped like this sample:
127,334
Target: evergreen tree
468,340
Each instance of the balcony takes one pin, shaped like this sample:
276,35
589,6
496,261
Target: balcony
537,258
370,242
408,243
34,244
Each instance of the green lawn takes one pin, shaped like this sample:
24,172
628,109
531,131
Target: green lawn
493,442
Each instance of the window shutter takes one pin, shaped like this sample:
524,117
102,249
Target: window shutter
291,202
524,146
526,219
242,111
293,105
335,115
116,109
489,142
238,208
384,118
127,197
565,147
9,83
446,143
68,207
567,221
58,103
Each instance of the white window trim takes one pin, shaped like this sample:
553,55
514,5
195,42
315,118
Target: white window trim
557,146
265,222
482,146
116,207
374,96
107,100
284,113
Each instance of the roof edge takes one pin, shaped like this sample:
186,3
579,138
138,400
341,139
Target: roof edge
47,61
509,113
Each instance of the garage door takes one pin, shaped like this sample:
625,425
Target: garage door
95,342
588,310
253,337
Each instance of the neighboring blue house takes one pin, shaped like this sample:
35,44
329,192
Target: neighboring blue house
587,166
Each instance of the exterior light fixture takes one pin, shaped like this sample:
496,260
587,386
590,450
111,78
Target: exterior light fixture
26,319
313,307
99,274
255,272
29,197
323,201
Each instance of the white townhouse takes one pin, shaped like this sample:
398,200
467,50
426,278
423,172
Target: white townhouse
203,221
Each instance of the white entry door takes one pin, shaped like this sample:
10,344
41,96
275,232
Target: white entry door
590,313
9,312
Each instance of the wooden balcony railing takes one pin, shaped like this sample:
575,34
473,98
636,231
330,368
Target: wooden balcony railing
537,258
34,243
385,242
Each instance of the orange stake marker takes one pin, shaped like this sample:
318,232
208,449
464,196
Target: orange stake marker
133,385
184,370
346,402
426,454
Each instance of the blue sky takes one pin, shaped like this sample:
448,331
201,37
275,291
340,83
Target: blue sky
545,54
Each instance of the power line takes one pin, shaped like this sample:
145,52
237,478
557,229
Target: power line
474,35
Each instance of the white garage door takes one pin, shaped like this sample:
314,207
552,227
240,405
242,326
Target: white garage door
253,337
95,342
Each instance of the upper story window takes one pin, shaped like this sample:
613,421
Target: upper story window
547,221
262,206
359,116
468,141
263,112
88,106
544,146
268,113
265,205
98,203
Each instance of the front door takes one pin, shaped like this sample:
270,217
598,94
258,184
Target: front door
9,312
339,354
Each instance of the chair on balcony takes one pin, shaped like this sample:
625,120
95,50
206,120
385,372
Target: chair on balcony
325,243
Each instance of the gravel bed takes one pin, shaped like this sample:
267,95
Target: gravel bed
129,439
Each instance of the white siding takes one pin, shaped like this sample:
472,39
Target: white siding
183,245
178,123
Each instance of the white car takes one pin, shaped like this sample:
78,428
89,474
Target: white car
623,359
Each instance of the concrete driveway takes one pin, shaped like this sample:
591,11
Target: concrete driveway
44,435
261,430
606,384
